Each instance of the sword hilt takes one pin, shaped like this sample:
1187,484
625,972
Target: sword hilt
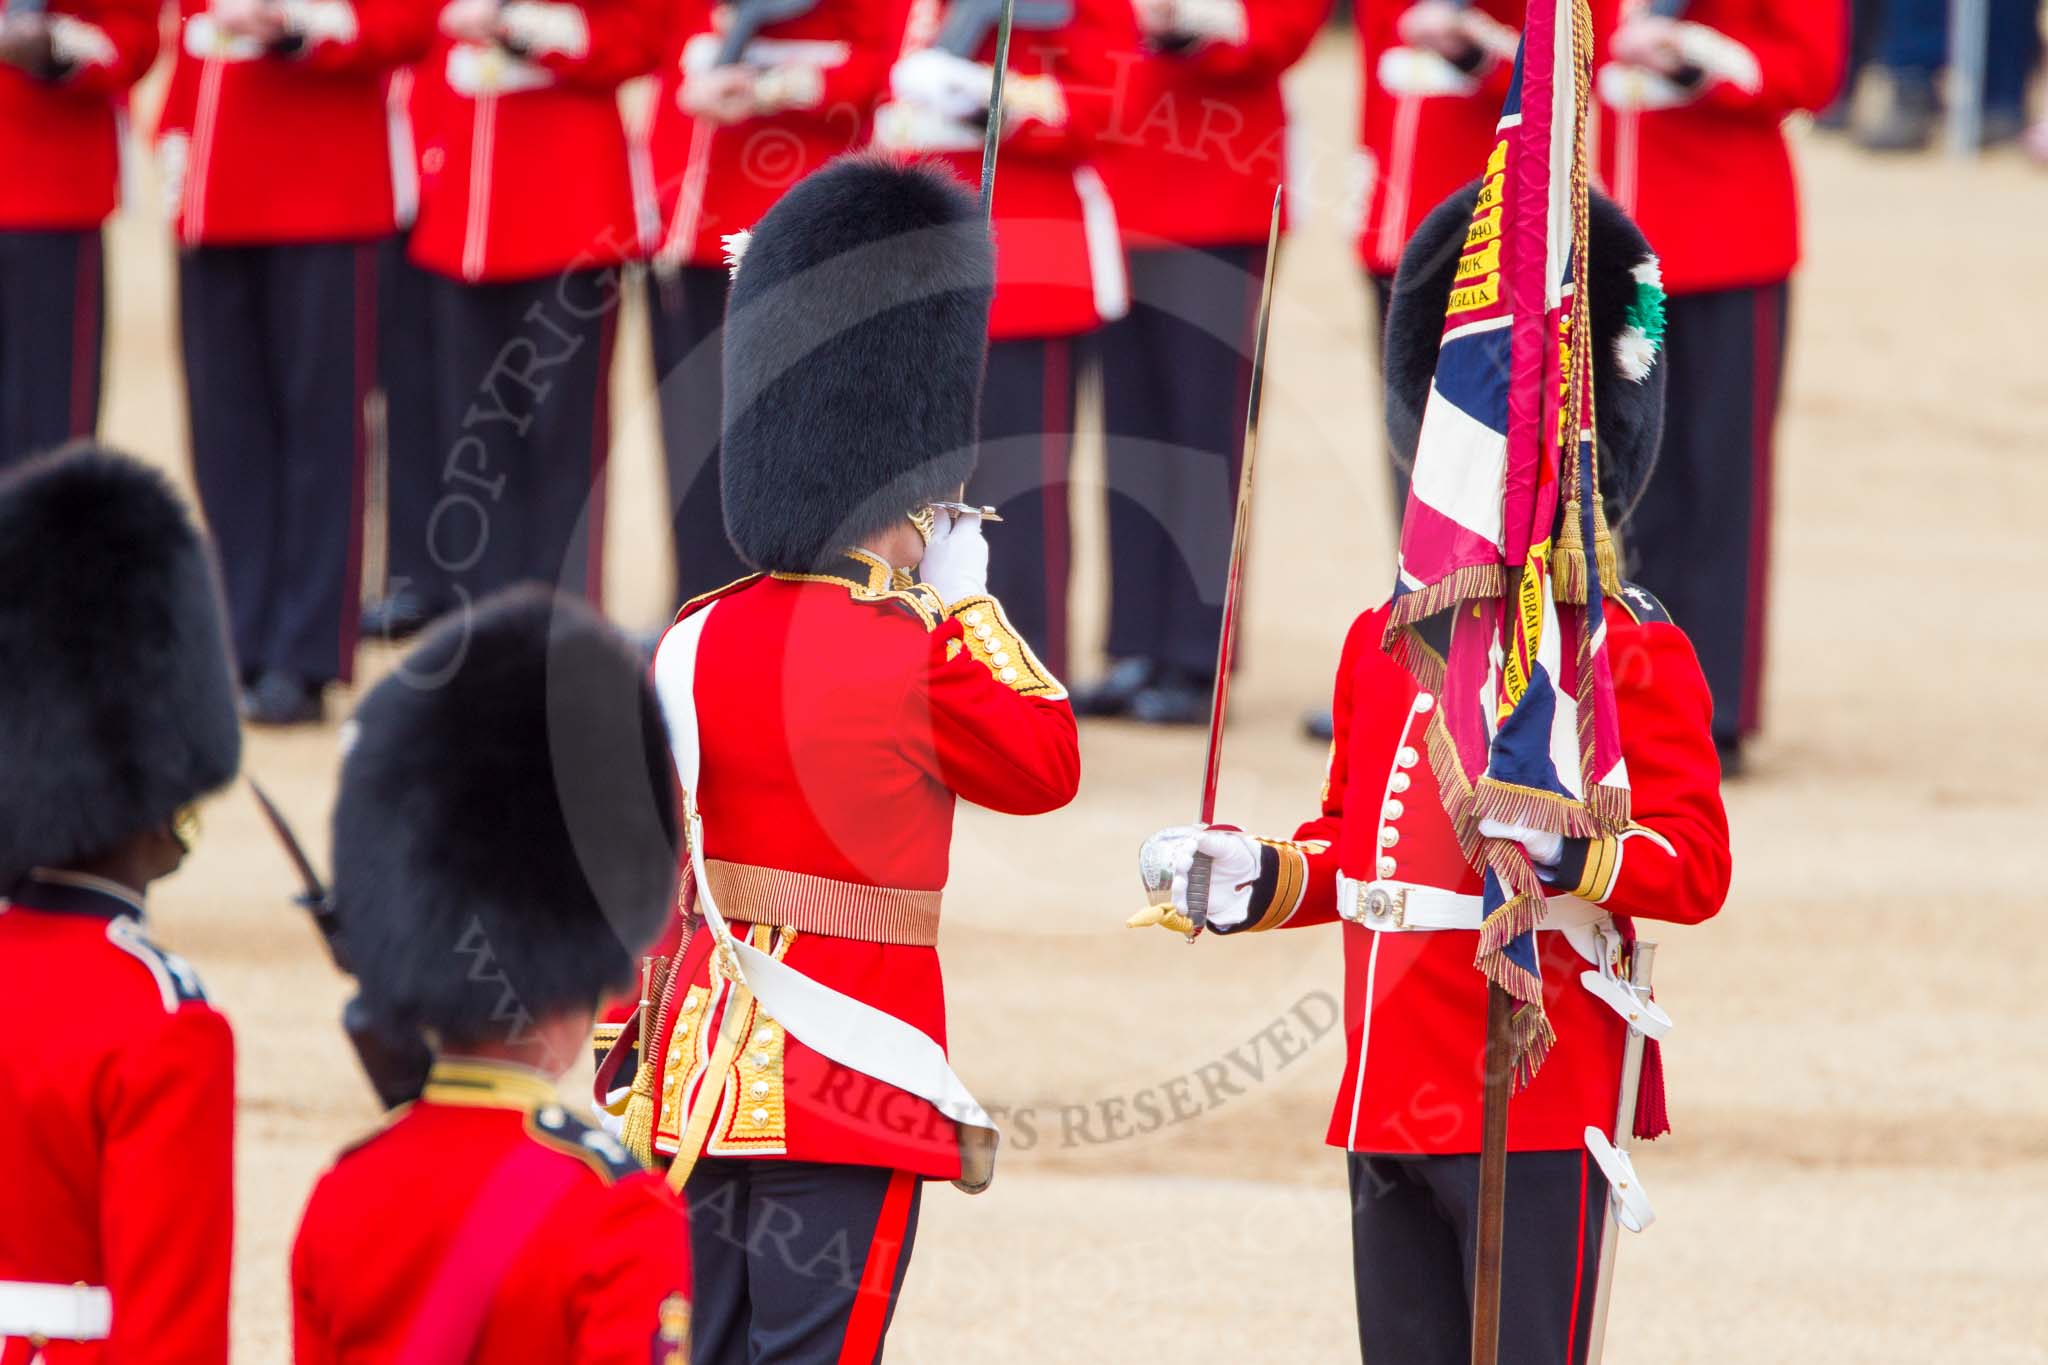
1198,890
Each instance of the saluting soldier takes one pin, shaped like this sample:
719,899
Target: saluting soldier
278,154
1382,857
826,713
503,847
1693,145
1060,272
526,217
726,138
117,1213
1192,154
65,69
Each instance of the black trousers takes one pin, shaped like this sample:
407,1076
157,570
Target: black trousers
52,326
413,447
1700,538
1176,372
1414,1227
687,317
280,352
796,1262
524,397
1027,441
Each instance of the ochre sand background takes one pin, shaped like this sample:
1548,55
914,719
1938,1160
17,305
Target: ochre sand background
1859,1083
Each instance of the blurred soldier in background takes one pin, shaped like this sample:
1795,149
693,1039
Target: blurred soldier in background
526,215
522,1233
117,1210
726,139
278,155
416,582
1691,115
826,716
1195,147
1432,77
1060,272
64,74
1912,46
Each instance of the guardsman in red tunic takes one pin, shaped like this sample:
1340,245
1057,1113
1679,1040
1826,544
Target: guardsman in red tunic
1196,144
1059,269
1692,144
726,139
118,1084
485,1223
65,69
826,714
1381,856
526,216
278,154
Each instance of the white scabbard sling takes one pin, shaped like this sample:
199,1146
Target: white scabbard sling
831,1023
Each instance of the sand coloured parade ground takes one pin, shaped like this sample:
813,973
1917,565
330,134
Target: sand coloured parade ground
1858,1080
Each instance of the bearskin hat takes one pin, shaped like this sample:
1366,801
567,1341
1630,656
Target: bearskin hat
1627,308
855,337
120,692
504,842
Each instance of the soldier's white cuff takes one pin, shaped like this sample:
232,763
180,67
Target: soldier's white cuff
75,43
537,27
789,87
320,21
1216,21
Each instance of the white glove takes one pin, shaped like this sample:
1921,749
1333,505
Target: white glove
1545,847
1168,856
954,86
612,1115
955,564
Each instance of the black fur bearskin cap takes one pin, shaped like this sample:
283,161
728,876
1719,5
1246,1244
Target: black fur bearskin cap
505,838
120,693
1628,386
855,337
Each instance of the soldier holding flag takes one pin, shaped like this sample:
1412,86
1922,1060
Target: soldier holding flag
1507,789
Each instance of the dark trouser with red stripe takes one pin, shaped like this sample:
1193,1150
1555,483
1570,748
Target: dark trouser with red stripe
525,400
1414,1225
1700,538
687,317
798,1262
1174,377
1027,441
412,441
280,352
52,317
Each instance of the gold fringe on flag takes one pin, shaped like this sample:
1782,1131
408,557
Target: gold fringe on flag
1460,585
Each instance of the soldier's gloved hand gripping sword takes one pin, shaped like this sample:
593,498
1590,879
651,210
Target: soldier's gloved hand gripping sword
1161,880
395,1060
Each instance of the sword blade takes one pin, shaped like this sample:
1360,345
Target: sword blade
1240,534
315,893
992,137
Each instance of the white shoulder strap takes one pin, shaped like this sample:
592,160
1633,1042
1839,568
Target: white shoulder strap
836,1026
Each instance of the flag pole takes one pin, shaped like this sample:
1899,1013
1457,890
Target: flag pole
1493,1176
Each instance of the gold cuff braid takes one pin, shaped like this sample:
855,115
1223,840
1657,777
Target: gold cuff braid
995,642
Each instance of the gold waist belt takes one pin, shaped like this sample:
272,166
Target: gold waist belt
823,905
